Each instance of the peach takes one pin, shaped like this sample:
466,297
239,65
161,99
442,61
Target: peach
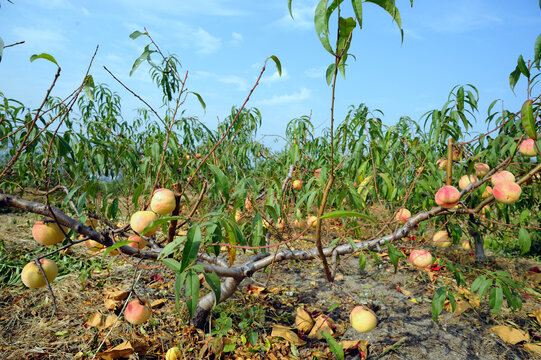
447,196
299,224
297,184
163,201
280,224
527,148
312,221
316,173
141,219
442,164
137,312
481,169
363,319
502,176
441,239
487,192
137,241
466,180
47,233
174,353
402,215
247,204
421,258
507,192
32,276
465,244
457,155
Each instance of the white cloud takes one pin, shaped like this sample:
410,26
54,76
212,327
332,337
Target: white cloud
237,36
303,94
240,82
303,16
315,72
204,42
275,77
40,39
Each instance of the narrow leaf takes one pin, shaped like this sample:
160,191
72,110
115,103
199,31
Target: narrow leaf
536,48
321,22
214,282
203,105
192,291
358,9
277,63
44,56
1,48
134,35
172,264
522,67
335,348
513,78
289,7
88,87
330,73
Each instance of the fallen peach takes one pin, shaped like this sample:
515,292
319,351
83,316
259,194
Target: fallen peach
137,312
421,258
363,319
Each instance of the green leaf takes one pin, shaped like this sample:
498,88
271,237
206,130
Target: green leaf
485,285
477,283
70,195
222,182
172,264
346,213
2,47
169,248
88,87
537,48
44,56
135,198
513,78
112,211
390,7
525,241
214,282
437,303
496,299
330,72
115,246
460,99
277,63
321,22
193,241
203,105
335,348
192,291
252,337
358,9
362,261
134,35
522,67
289,7
144,56
528,121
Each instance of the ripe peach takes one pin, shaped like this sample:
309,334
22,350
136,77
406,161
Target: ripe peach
507,192
527,148
487,192
466,180
297,184
163,201
402,215
441,239
137,241
465,244
47,233
312,221
33,278
442,164
502,176
174,353
447,196
457,155
421,258
363,319
141,219
481,169
137,312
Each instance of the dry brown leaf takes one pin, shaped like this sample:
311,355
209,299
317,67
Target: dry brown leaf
123,350
287,334
111,304
461,307
303,320
510,335
117,295
323,324
110,321
95,320
158,303
255,290
537,315
339,277
351,344
534,349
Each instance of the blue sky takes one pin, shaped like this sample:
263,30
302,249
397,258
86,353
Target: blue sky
223,44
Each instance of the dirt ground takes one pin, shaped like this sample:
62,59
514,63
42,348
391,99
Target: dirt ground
28,330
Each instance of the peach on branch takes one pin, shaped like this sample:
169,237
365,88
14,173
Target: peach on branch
466,180
421,258
441,239
163,201
297,184
447,196
312,221
32,276
141,219
363,319
481,169
402,215
137,312
137,242
507,192
502,176
47,233
527,148
442,164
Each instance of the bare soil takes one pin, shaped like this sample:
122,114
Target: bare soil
401,300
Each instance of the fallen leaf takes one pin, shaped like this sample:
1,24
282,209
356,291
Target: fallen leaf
461,307
95,320
535,349
510,335
255,290
303,320
360,345
111,304
158,303
287,334
323,324
339,277
117,295
110,321
537,315
123,350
